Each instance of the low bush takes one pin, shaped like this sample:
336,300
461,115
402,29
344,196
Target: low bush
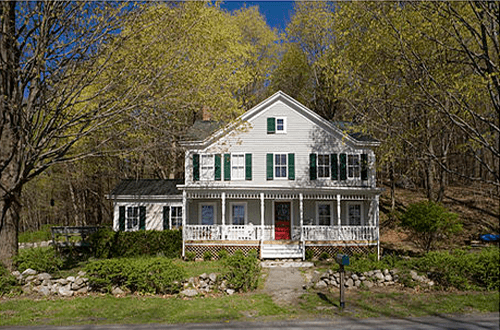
146,275
207,256
324,256
309,254
223,254
190,256
242,272
109,244
463,270
44,234
43,259
7,281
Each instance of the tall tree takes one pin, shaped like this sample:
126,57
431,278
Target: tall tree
49,55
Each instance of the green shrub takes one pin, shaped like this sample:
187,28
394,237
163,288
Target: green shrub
44,259
146,275
324,256
223,254
109,244
207,256
190,256
429,222
242,272
7,281
44,234
461,269
309,254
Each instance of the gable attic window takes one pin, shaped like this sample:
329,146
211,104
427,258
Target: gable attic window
276,125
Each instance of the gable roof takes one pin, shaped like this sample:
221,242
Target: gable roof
207,138
147,187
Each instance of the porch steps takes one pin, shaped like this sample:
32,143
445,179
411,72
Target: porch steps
281,251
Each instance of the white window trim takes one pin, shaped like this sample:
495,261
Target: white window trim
231,204
284,125
202,177
135,228
359,166
329,165
274,166
244,166
200,206
331,212
362,213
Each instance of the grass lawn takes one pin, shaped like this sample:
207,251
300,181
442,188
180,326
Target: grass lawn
244,307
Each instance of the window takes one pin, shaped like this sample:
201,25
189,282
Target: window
207,214
280,166
207,167
353,165
238,166
238,213
132,218
323,166
280,125
354,212
176,216
325,213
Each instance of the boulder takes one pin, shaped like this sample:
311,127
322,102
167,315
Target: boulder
212,277
230,292
70,278
388,278
64,291
44,276
29,272
321,285
117,291
349,283
189,293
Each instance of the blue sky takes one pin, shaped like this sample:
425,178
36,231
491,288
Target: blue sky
277,13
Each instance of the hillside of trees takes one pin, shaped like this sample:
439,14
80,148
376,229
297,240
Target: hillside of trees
77,117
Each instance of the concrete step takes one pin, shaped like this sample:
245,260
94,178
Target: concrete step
277,251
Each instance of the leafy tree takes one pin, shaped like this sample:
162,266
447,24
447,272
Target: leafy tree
428,222
49,56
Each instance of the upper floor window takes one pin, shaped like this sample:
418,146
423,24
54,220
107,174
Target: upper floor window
323,166
176,216
238,166
353,166
280,125
280,165
207,167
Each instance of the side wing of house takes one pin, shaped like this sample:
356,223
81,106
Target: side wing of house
146,205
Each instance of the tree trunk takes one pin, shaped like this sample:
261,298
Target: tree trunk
9,230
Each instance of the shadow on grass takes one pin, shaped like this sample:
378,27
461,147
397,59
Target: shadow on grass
326,299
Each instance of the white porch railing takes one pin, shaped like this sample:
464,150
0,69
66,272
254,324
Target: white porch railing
339,233
254,232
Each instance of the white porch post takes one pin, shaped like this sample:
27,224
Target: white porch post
223,214
262,216
301,209
377,225
338,211
184,211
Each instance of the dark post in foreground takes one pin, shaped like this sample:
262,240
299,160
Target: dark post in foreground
342,260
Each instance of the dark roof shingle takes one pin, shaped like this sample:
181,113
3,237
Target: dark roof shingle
147,187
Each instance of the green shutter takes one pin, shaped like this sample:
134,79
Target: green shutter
142,218
196,167
364,167
217,169
343,167
248,166
334,166
270,166
121,218
227,167
166,217
271,125
313,171
291,166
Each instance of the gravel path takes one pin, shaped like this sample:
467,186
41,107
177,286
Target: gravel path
285,285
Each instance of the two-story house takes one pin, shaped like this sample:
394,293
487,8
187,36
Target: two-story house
280,180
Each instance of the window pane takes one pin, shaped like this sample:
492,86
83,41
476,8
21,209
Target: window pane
280,124
238,214
207,214
355,215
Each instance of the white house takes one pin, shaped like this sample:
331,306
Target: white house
280,180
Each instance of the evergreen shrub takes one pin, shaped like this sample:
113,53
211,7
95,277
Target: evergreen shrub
109,244
242,272
7,281
43,259
155,275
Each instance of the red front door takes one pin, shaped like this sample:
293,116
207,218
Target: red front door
282,216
